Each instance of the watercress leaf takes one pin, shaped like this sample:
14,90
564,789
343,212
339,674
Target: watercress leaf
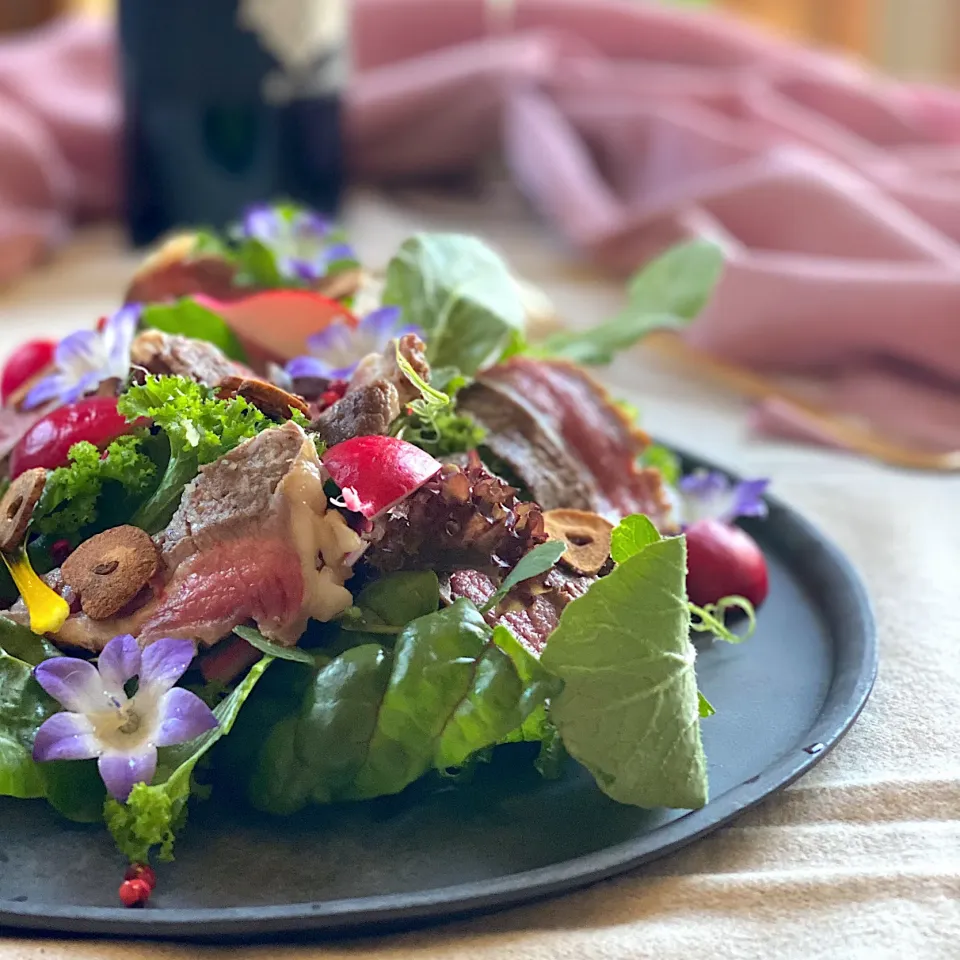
461,294
629,709
667,293
256,639
631,535
398,598
154,813
540,559
191,319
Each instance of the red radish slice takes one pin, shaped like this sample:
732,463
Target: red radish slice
28,360
47,443
274,325
375,473
723,561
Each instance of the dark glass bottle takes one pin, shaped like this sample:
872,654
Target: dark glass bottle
229,102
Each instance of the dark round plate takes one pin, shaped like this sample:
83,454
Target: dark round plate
783,700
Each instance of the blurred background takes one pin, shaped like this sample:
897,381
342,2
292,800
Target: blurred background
580,137
917,39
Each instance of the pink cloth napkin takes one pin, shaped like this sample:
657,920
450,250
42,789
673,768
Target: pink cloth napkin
629,125
59,137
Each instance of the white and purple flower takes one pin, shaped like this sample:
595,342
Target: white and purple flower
336,351
304,244
121,730
707,494
86,358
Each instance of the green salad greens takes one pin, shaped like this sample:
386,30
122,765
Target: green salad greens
412,681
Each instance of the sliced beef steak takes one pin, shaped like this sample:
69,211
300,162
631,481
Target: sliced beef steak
166,353
533,609
558,430
251,540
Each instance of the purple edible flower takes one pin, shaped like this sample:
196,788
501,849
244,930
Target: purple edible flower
300,241
122,732
706,494
336,350
88,357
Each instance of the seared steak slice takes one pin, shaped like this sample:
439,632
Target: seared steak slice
533,608
529,446
251,540
365,412
558,430
175,271
166,353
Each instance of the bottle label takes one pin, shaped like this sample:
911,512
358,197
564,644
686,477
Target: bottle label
308,40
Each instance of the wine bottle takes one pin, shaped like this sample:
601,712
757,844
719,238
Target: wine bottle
227,103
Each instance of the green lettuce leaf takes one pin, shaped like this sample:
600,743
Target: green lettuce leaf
23,707
461,294
191,319
200,428
155,813
668,293
631,535
373,721
629,708
74,789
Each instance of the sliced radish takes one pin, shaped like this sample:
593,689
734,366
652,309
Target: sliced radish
274,325
375,473
25,363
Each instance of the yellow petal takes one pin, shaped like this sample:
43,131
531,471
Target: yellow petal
48,610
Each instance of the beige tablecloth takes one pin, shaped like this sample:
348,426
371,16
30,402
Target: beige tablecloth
861,858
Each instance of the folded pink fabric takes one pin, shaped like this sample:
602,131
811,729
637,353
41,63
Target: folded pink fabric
629,126
835,194
59,137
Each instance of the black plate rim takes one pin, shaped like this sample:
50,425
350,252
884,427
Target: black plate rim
855,670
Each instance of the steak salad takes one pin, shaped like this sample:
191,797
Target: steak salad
301,535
